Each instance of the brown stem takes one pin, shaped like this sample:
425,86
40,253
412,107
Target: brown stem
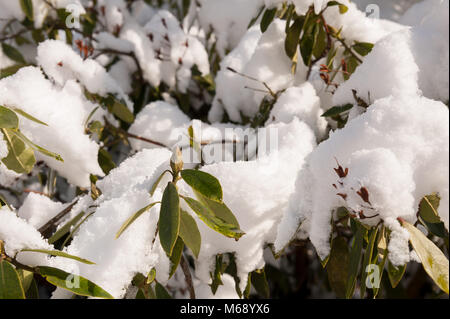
187,274
45,230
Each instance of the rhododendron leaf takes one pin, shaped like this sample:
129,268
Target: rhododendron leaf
10,285
169,218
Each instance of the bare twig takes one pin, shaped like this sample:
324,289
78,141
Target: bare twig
187,274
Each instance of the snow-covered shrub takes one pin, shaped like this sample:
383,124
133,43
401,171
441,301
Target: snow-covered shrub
206,149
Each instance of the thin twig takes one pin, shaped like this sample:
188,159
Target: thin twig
52,222
187,274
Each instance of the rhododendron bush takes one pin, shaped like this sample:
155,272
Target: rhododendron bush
224,149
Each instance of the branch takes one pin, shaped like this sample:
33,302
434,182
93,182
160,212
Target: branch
187,274
52,222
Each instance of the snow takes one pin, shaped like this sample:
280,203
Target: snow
65,122
399,146
39,209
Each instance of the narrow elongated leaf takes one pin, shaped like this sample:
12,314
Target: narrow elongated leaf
27,8
12,53
8,119
259,282
105,161
176,256
433,259
20,157
189,233
65,229
395,274
10,285
308,42
219,209
368,256
293,37
355,259
28,116
337,110
212,221
204,183
133,217
267,19
32,292
60,254
155,185
76,284
37,147
26,277
169,218
337,266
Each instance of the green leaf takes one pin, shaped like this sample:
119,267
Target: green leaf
204,183
32,292
12,53
28,116
363,48
161,292
212,221
176,256
219,209
10,285
321,42
81,286
267,19
355,259
140,294
10,70
169,218
428,209
343,9
65,229
368,256
151,276
105,161
337,266
26,277
308,42
259,282
37,147
293,37
122,112
20,157
337,110
27,8
217,275
189,232
60,254
133,217
433,259
8,119
437,229
395,274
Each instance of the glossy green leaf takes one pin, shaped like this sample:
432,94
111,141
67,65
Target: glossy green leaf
368,257
204,183
33,291
293,37
65,229
212,221
10,285
175,258
20,156
428,209
216,277
105,161
28,116
308,41
268,17
158,180
355,259
27,8
219,209
433,259
259,282
133,218
12,53
60,254
189,233
76,284
26,277
337,110
363,48
161,292
8,119
37,147
122,112
169,218
337,266
395,274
